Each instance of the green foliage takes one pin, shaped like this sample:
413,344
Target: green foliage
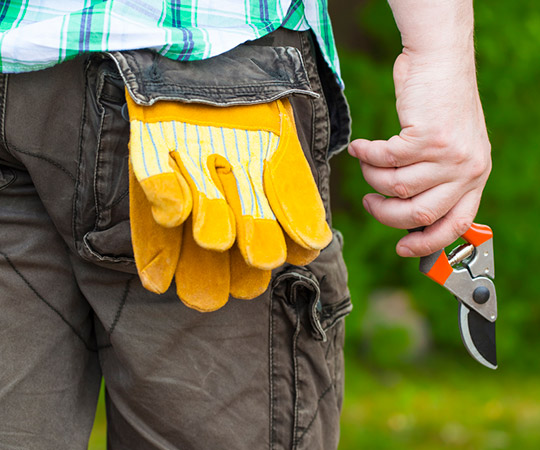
440,405
388,345
508,47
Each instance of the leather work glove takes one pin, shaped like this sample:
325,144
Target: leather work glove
241,172
204,278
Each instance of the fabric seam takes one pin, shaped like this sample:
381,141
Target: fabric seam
3,113
296,372
44,158
79,157
120,306
271,362
46,302
328,389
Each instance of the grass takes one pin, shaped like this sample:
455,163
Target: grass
438,405
98,438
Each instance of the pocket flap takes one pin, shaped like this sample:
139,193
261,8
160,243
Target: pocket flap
243,75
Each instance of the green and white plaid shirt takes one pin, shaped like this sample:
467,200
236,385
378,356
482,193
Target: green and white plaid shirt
35,34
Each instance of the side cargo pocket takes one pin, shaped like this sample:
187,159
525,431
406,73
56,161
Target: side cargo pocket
308,305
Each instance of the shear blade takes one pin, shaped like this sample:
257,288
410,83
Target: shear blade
478,335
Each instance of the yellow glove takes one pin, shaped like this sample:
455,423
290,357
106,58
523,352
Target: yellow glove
255,153
242,164
204,278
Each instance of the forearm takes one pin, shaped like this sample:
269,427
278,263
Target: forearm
432,27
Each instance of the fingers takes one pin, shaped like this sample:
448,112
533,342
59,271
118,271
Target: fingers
434,186
443,232
446,209
395,152
422,210
405,182
445,215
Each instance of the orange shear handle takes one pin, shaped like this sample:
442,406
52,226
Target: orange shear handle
436,265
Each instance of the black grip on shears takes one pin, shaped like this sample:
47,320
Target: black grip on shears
426,262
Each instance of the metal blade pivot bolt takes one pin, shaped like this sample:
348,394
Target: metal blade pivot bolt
481,294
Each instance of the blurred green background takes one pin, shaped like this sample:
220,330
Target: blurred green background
410,383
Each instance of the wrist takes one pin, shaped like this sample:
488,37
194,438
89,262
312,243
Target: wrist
446,63
430,27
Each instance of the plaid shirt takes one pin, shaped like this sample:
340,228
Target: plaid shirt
35,34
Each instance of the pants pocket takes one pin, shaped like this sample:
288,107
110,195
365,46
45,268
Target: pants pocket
248,75
306,347
101,206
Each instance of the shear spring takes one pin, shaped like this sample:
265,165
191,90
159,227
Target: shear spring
460,253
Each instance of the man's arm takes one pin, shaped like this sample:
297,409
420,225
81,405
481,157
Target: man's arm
434,171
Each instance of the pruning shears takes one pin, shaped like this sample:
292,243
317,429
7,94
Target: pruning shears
468,272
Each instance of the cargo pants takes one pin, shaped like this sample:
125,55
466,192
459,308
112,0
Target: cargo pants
260,374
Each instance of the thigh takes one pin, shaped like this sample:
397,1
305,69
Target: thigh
177,378
49,372
260,374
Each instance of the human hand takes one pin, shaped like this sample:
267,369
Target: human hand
434,171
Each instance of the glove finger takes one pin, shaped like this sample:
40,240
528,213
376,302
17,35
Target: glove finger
150,142
247,282
156,248
259,237
291,189
298,255
213,220
202,276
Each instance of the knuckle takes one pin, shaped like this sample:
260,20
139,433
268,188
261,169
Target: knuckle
479,168
392,160
423,216
489,166
401,190
460,155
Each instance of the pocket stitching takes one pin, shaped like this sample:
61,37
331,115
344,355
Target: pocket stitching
104,258
11,180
